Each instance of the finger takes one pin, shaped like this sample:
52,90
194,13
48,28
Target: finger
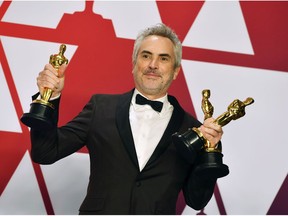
210,134
210,131
47,79
216,128
42,84
49,67
61,71
209,123
49,73
209,120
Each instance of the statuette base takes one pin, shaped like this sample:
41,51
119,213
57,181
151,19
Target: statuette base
39,116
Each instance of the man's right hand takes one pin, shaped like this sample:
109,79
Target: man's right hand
52,79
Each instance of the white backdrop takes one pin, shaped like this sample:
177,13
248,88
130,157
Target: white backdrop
236,49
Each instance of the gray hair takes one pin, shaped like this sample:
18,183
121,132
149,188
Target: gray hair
159,29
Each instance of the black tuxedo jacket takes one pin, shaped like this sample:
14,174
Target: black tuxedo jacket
116,186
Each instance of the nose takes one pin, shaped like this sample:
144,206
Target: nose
153,64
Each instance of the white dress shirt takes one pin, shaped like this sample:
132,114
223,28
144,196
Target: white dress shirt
148,126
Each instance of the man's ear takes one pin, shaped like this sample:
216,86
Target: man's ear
176,72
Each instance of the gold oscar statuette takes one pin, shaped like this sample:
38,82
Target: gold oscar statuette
41,110
193,141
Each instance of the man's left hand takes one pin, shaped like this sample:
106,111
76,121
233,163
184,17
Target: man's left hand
211,131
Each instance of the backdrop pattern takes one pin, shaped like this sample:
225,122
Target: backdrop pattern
236,49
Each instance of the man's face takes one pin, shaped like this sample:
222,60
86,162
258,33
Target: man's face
154,69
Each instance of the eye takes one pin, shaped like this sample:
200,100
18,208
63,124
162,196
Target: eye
164,58
145,56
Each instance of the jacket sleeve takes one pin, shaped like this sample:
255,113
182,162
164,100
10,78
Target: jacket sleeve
49,146
200,184
198,190
198,187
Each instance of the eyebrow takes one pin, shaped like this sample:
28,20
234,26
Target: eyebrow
162,54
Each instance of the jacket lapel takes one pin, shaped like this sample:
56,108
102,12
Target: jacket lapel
124,128
123,125
173,126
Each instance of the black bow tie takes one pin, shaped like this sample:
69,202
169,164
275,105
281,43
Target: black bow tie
156,105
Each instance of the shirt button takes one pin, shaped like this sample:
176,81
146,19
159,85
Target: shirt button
138,184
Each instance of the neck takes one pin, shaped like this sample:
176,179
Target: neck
151,96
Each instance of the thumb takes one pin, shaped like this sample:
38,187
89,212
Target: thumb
208,121
62,69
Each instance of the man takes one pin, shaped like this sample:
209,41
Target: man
135,167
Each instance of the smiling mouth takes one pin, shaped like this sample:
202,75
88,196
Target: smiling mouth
151,74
